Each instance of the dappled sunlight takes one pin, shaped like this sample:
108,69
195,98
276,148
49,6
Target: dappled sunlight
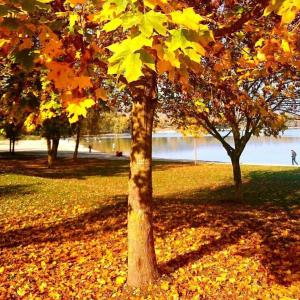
248,232
205,243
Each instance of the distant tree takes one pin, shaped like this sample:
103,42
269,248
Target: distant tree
53,130
99,122
248,107
77,129
13,133
18,98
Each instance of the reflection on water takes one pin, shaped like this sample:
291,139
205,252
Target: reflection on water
171,145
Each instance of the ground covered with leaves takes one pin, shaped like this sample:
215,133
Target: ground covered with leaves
63,231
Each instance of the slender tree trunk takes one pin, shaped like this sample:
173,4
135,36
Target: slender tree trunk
196,150
13,145
237,176
50,153
142,265
78,129
55,144
10,145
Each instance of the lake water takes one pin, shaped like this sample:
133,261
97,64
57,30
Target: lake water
172,145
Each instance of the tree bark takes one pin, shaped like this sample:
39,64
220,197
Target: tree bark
55,144
237,176
78,129
50,153
142,264
13,146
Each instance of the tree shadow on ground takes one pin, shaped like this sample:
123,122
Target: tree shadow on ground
269,211
16,189
67,168
107,218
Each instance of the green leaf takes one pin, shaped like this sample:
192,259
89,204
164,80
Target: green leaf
153,21
187,18
131,19
129,45
112,25
133,67
185,40
147,60
125,60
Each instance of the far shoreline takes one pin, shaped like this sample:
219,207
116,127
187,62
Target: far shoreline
66,148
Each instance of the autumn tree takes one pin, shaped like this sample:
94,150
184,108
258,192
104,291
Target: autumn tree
223,108
159,37
244,87
151,44
53,129
12,132
80,43
18,98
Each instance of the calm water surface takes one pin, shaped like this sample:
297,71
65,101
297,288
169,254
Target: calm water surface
172,145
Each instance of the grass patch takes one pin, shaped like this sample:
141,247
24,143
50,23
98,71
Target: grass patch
63,231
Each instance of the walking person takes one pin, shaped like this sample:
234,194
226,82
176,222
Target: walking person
294,154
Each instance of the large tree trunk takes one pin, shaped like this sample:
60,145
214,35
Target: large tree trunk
142,265
50,153
78,129
237,176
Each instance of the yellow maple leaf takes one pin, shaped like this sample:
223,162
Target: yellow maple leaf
43,264
120,280
42,287
21,292
187,18
165,286
55,295
285,46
